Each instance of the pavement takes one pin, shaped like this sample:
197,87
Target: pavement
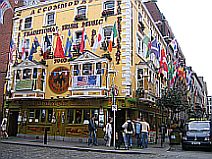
152,148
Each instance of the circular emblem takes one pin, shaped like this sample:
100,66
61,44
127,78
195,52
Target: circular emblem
59,80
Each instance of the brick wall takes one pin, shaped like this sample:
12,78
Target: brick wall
5,36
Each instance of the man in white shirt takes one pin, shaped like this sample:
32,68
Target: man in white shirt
144,133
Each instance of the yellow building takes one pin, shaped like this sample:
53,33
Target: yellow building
49,87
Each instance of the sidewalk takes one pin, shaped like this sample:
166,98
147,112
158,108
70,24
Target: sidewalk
152,148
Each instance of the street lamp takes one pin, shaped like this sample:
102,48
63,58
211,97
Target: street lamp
114,106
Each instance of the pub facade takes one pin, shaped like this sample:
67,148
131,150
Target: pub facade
71,63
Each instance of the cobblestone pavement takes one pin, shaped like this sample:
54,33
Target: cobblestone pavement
13,151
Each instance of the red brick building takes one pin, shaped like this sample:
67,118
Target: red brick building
5,36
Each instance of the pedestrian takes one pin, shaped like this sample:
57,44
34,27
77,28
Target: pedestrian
129,129
138,128
92,128
108,132
4,128
144,133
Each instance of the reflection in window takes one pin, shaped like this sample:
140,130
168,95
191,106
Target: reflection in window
70,116
50,18
78,116
86,114
37,115
43,115
27,73
31,115
50,111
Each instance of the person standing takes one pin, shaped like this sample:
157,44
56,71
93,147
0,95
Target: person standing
129,129
92,131
138,127
108,132
144,133
4,128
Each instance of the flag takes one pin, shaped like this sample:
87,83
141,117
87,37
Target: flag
99,39
155,47
82,43
113,35
69,42
33,49
59,52
47,47
174,46
4,6
23,49
163,62
12,50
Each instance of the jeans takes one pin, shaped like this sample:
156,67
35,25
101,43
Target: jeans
144,139
138,139
128,140
92,135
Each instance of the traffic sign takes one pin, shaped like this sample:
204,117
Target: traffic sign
114,107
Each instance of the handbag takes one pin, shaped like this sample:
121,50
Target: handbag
105,137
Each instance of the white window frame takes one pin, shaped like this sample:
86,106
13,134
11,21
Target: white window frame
24,23
46,19
106,1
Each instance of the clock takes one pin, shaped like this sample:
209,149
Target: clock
59,80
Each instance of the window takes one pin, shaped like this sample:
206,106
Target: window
37,115
50,111
31,115
107,32
70,116
81,11
18,74
139,17
43,115
140,78
76,70
27,73
87,69
50,18
28,23
98,68
109,6
78,116
139,45
78,37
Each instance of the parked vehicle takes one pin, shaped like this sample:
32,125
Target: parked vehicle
197,134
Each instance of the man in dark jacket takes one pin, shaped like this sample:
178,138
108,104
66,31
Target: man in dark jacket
92,131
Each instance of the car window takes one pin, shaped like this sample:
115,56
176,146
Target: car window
199,126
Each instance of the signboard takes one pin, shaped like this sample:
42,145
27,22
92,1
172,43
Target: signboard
86,81
114,107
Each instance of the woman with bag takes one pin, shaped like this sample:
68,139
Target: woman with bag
108,132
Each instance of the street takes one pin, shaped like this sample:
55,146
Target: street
11,151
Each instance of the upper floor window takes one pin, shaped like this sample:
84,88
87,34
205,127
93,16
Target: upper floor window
50,18
108,8
139,44
140,78
81,13
78,37
28,23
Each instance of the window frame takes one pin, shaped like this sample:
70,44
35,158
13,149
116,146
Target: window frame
27,23
46,19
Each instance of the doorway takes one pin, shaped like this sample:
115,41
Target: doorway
13,123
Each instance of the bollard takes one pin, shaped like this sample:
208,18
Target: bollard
45,136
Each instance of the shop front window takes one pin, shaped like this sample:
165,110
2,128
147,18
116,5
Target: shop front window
43,115
70,116
78,116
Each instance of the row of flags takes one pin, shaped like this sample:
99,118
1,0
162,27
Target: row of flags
4,6
60,51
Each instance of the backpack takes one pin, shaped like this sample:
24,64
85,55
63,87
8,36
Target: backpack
129,126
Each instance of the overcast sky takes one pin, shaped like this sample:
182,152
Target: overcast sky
191,23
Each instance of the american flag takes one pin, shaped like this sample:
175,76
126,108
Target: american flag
4,5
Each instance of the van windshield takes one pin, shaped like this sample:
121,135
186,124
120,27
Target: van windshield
199,126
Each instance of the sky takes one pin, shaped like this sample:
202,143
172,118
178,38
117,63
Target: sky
191,23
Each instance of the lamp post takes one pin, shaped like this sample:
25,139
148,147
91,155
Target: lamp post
114,106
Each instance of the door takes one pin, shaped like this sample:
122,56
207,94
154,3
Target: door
13,123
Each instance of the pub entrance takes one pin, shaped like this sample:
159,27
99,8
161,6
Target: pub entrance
13,123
